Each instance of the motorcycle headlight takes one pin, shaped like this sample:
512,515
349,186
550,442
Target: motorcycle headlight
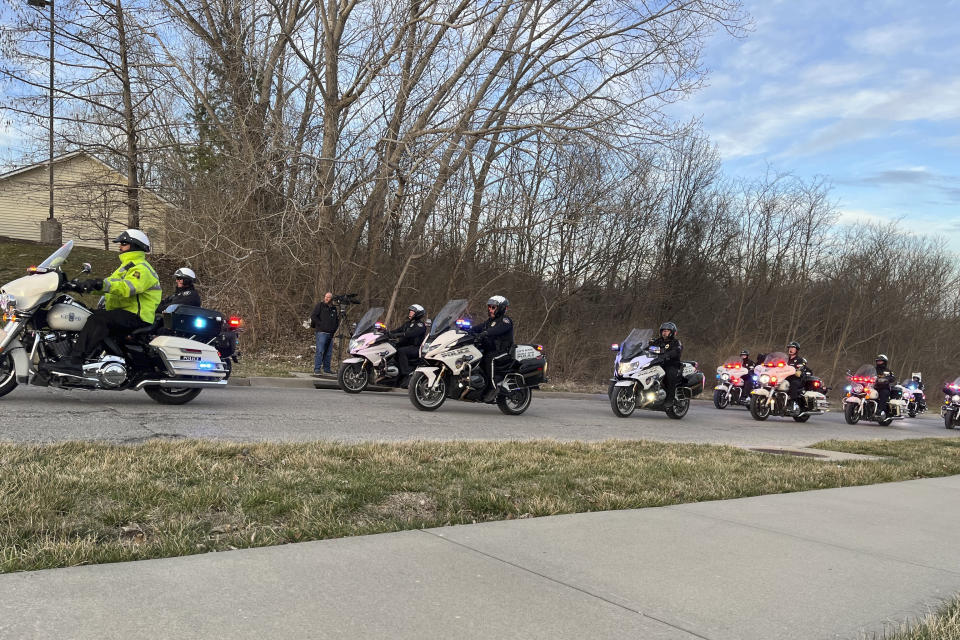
858,388
725,376
354,345
955,398
764,379
626,367
8,306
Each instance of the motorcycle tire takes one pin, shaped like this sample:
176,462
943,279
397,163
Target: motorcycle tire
678,409
759,409
167,395
801,418
948,419
515,402
353,377
912,412
850,413
721,399
8,375
422,397
621,403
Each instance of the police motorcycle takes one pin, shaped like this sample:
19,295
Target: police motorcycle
914,396
453,367
637,379
731,379
950,410
771,397
373,354
860,400
41,322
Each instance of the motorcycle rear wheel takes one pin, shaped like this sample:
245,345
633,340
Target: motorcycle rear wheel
166,395
623,401
721,399
422,396
515,402
850,413
353,377
8,375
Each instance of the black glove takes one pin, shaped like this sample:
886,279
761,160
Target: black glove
71,285
92,284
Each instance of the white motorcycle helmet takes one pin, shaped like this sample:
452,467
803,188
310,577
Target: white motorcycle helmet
137,239
189,277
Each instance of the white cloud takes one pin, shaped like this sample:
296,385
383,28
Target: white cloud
887,40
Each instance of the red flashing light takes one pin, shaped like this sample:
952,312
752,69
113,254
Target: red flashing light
538,347
781,363
773,379
234,321
32,269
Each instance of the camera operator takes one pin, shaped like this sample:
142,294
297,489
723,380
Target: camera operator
324,320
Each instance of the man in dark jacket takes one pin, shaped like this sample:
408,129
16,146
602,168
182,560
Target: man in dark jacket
670,351
495,340
324,320
186,293
409,335
747,364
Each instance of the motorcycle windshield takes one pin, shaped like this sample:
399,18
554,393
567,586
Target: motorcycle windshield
775,359
57,258
733,362
956,383
367,321
447,317
634,343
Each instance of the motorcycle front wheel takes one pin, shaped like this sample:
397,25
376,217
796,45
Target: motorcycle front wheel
678,409
721,400
167,395
912,410
948,419
8,375
422,396
623,401
353,377
515,402
850,413
759,408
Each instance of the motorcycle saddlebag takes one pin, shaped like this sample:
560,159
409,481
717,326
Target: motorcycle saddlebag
695,382
530,363
185,320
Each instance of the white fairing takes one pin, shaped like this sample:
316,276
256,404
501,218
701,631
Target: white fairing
67,317
437,350
375,353
185,357
644,373
30,291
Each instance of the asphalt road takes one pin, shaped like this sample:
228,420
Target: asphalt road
30,414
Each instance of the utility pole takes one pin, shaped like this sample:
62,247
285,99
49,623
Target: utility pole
51,231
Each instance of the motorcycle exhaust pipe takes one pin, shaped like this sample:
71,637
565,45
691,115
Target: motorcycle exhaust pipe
181,384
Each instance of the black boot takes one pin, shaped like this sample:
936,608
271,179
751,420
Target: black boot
71,365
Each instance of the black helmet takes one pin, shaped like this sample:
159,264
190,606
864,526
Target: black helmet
501,304
418,311
669,326
137,239
744,354
881,357
795,345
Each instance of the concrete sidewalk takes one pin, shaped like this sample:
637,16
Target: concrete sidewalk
835,563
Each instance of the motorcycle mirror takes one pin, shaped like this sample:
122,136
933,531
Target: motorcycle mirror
86,267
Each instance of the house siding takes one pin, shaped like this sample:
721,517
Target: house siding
84,189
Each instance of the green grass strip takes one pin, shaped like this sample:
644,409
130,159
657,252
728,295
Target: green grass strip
81,503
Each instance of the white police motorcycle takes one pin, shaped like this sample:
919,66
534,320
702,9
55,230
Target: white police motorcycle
41,323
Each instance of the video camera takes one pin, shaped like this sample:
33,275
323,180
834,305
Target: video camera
347,298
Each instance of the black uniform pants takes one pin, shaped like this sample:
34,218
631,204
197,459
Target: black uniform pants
102,324
405,355
883,398
796,388
671,379
488,365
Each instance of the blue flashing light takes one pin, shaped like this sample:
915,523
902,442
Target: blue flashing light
463,323
200,323
207,366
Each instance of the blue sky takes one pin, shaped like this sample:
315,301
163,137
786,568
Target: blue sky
865,92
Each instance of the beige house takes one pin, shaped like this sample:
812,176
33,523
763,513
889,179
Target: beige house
89,200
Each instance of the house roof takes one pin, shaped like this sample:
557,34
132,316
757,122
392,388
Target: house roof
70,156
